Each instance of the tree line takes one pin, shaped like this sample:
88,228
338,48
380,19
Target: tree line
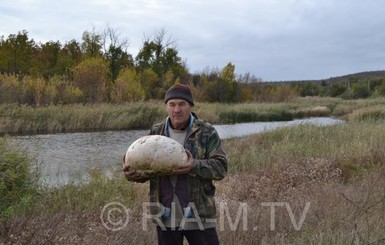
99,69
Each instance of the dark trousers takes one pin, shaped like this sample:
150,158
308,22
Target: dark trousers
194,237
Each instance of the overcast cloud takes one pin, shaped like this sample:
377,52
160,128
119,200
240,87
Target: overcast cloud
271,39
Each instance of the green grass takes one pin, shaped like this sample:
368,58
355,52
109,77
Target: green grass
88,196
18,181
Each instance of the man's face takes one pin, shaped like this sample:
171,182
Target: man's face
179,112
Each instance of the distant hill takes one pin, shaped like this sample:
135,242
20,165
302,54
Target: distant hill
360,76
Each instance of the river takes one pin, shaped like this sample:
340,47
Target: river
70,157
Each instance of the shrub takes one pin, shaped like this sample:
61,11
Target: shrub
375,113
17,182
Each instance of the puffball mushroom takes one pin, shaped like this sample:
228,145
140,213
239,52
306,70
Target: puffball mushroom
155,154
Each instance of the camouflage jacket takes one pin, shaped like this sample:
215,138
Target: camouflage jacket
210,163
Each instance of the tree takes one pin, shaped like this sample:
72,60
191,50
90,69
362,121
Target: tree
69,56
73,50
127,87
118,60
92,45
337,89
360,91
221,85
160,55
9,89
229,84
150,83
310,89
45,59
91,76
250,87
115,52
16,53
282,93
381,88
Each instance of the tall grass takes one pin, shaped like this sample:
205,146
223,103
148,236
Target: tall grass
338,170
89,196
15,119
354,144
18,181
70,118
261,112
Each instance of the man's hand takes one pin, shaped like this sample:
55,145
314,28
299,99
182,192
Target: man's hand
186,167
131,174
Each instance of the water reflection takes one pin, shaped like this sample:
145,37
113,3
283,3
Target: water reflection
70,157
244,129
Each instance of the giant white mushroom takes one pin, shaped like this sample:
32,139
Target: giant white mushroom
155,155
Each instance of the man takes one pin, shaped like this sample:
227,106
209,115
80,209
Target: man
186,197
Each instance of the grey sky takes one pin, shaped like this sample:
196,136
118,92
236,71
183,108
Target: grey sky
271,39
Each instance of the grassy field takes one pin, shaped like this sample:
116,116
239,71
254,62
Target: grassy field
295,185
16,119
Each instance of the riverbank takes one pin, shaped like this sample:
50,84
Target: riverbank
86,151
326,185
19,120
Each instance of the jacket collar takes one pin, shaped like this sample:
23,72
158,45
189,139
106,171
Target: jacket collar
188,128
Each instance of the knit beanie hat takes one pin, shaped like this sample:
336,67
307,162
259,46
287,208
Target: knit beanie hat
179,91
